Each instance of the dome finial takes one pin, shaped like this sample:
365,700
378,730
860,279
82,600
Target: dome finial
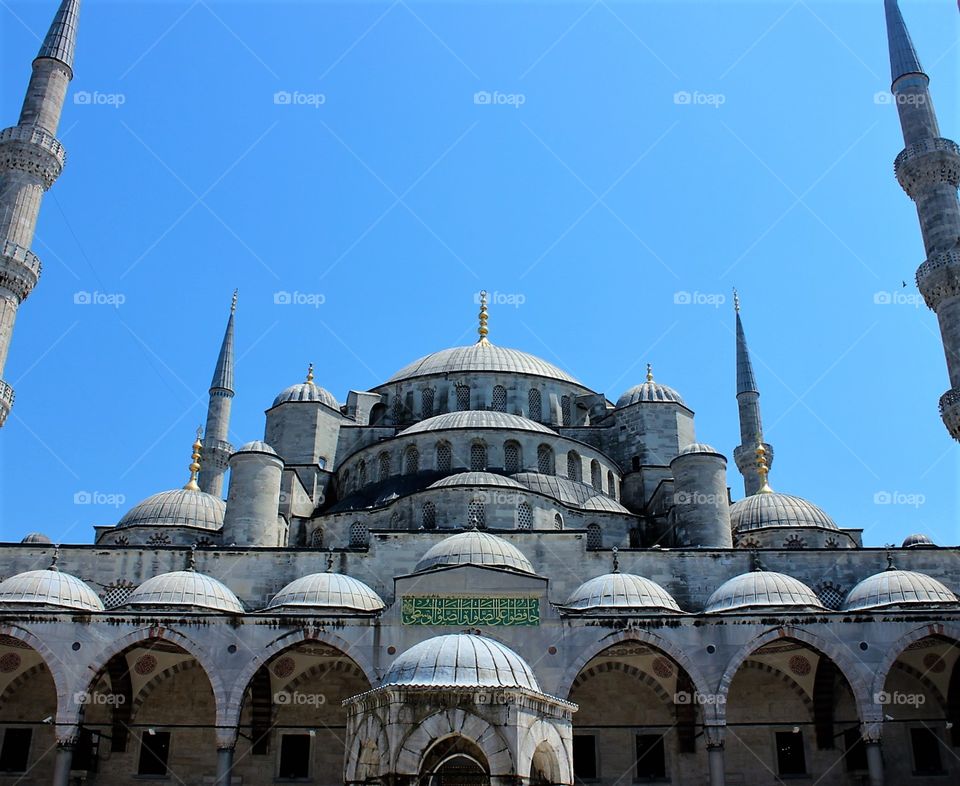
191,484
755,563
329,560
649,372
616,560
483,330
233,303
736,300
192,558
310,374
56,558
763,468
890,565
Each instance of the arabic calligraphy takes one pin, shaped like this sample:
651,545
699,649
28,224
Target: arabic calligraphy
434,610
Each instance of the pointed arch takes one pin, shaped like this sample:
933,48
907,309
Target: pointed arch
67,710
453,723
543,738
369,752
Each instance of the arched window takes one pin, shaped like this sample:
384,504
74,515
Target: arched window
512,462
426,403
574,466
611,484
408,405
359,536
429,516
463,398
444,457
558,521
475,514
316,538
524,516
397,409
535,404
596,475
478,457
499,401
384,466
361,474
565,411
545,463
594,537
411,460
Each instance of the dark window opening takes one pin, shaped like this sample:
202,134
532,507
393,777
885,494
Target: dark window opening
651,757
790,757
16,750
87,751
636,463
154,753
926,752
584,757
855,752
294,756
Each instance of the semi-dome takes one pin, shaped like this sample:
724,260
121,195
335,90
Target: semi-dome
475,548
482,356
771,509
621,591
36,537
918,541
605,504
179,507
185,589
326,592
307,391
49,587
762,589
898,588
256,446
477,479
474,419
699,447
461,660
649,391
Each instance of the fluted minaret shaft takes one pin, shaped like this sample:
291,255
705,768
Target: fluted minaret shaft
216,446
31,159
928,169
751,424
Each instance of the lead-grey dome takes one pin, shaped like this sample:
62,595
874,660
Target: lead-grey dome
649,391
49,587
699,447
475,548
307,391
771,509
605,504
898,588
36,537
256,446
918,541
474,419
621,591
179,507
482,356
762,589
185,589
477,479
461,660
326,592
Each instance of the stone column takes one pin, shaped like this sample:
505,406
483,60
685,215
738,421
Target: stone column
716,760
870,732
224,766
64,761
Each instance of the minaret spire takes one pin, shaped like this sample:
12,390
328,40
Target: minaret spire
751,424
31,160
928,169
216,446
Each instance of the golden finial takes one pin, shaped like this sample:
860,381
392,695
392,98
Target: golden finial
763,469
233,304
310,374
736,300
483,330
195,464
649,372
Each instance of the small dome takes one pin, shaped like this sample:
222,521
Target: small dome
570,492
477,479
898,588
475,548
474,419
185,589
604,503
699,447
307,391
461,660
918,541
37,537
482,356
621,591
257,446
762,589
326,591
180,507
49,587
776,510
649,391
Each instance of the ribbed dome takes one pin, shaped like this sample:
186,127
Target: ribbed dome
477,479
606,504
257,446
461,660
48,587
326,591
307,391
481,357
475,548
181,507
36,537
699,447
762,589
649,391
185,589
918,541
474,419
776,510
621,591
898,588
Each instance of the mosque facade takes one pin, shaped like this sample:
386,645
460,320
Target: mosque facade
480,571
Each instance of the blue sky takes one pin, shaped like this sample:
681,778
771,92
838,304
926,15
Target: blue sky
385,193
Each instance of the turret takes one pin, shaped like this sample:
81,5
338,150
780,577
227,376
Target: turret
928,169
31,160
216,446
252,516
701,512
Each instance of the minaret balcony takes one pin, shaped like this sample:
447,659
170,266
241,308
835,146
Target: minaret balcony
6,401
32,149
950,411
19,269
926,163
938,278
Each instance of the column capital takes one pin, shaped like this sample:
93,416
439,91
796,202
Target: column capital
715,734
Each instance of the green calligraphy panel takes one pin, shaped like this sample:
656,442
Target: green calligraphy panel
435,610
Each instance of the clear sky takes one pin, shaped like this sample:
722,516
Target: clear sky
382,192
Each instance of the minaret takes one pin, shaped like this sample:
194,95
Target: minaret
31,160
928,169
751,425
216,447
